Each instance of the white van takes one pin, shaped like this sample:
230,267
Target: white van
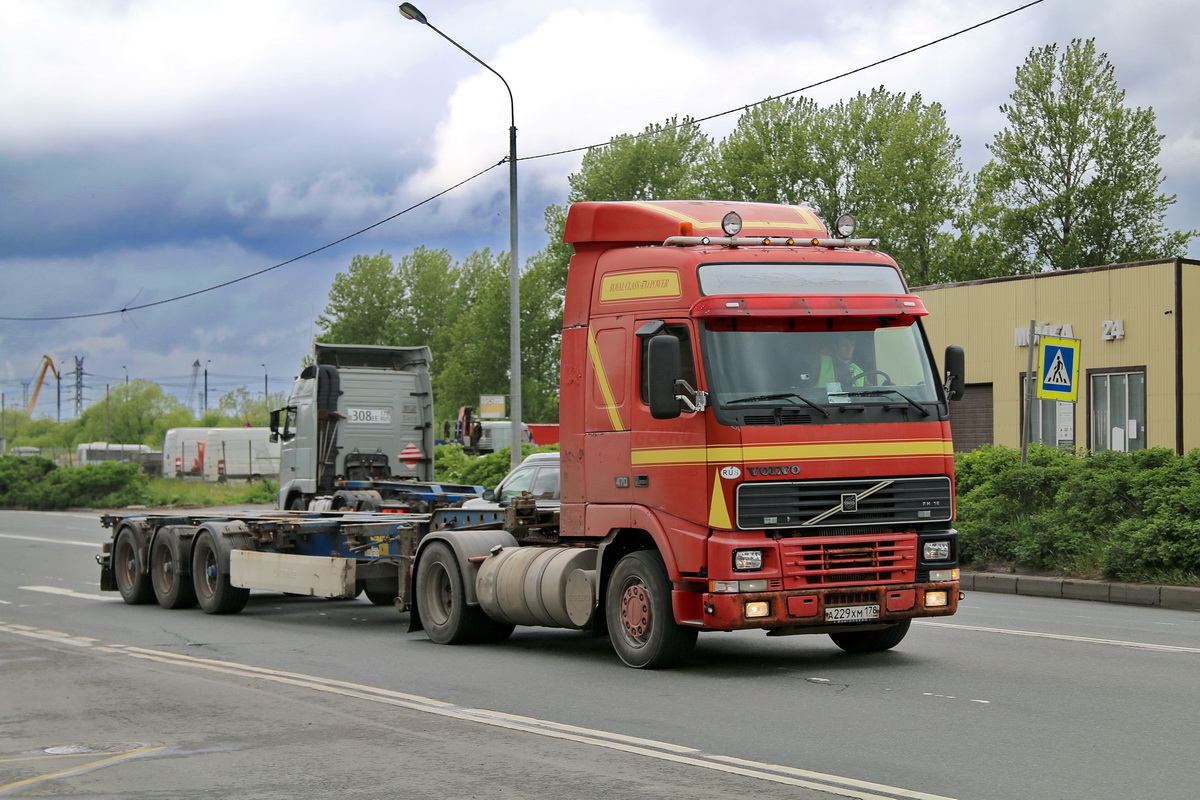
240,454
183,452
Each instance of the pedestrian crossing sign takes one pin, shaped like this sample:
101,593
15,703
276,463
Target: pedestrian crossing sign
1058,369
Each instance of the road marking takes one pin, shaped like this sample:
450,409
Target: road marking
82,767
1163,648
44,540
650,748
69,593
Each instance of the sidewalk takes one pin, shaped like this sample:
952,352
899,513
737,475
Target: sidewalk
1186,598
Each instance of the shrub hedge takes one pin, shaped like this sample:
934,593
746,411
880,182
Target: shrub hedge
1122,516
38,483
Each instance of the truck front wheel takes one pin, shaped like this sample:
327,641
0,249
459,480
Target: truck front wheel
211,580
441,602
641,623
132,583
871,641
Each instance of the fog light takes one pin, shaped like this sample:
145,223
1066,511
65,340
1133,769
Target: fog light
939,575
760,609
747,560
938,550
936,600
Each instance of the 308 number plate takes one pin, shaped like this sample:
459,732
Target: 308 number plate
852,613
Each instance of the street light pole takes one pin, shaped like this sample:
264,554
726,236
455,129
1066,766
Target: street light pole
264,366
514,272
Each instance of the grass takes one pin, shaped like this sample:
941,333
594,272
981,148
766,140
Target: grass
168,492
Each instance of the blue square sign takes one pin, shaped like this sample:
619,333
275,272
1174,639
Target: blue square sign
1058,369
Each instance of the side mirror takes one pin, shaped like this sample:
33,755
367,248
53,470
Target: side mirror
956,367
275,425
489,494
664,366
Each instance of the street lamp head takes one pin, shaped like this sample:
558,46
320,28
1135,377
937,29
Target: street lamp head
412,12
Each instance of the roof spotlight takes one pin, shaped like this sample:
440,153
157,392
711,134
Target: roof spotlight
731,224
845,226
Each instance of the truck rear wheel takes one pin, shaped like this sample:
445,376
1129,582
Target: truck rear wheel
641,624
871,641
132,583
441,602
173,588
211,580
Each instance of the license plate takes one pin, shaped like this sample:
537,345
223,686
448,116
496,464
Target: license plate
852,613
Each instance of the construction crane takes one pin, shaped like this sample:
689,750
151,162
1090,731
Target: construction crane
47,364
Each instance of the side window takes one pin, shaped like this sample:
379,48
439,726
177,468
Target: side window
688,362
545,485
518,482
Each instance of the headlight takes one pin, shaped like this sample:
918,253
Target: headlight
747,560
938,550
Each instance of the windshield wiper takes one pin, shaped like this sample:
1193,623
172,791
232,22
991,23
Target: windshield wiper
761,398
867,392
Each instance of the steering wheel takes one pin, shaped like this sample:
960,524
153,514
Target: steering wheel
862,376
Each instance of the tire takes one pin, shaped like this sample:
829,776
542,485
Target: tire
381,597
441,602
211,579
641,623
132,583
871,641
298,503
173,587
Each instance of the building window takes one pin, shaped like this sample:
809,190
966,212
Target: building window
1118,409
1051,422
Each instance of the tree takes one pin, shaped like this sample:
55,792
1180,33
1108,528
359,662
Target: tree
476,353
661,163
1074,179
887,158
128,415
363,303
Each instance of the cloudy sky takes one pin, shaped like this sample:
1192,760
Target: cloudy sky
155,148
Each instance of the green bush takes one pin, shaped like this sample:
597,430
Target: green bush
39,484
1126,516
452,465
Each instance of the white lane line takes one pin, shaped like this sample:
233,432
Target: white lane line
43,540
70,593
1163,648
663,751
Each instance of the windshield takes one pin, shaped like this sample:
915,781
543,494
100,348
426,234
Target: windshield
765,364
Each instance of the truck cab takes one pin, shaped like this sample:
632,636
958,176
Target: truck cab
752,405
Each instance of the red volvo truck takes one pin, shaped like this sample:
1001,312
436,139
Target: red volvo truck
753,435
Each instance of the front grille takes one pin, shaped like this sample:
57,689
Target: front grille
864,501
832,561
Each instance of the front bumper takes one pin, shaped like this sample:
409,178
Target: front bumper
812,608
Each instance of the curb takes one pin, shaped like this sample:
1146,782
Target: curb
1184,598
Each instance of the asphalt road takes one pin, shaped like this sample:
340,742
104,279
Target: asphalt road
1014,697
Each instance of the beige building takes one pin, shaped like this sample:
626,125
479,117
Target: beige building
1138,332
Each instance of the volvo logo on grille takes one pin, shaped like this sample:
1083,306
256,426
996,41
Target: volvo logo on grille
849,503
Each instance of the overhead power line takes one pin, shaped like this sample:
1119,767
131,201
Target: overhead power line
484,171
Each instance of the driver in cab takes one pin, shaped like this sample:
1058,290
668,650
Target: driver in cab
837,366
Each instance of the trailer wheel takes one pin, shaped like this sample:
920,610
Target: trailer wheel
211,580
871,641
173,587
132,583
441,601
641,624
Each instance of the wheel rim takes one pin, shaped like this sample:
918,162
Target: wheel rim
439,597
636,614
125,562
208,586
164,571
